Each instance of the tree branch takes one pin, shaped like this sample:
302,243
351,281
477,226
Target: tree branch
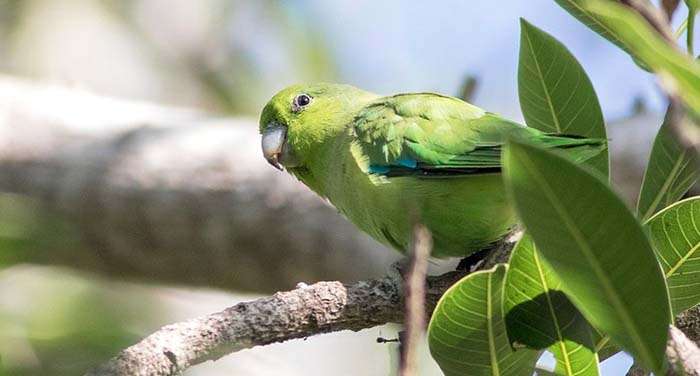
309,310
682,353
169,195
669,7
637,370
305,311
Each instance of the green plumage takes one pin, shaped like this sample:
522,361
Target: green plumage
383,161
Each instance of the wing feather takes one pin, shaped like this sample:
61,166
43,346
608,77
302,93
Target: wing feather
426,134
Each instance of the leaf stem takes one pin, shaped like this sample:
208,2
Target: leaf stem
691,30
681,29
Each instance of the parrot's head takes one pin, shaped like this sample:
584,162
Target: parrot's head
300,119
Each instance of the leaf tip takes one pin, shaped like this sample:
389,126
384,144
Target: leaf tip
525,25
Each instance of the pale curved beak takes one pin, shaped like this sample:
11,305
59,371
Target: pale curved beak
273,139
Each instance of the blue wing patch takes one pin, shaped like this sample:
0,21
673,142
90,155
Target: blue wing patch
379,170
401,164
407,162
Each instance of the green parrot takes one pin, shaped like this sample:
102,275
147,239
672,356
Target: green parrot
386,162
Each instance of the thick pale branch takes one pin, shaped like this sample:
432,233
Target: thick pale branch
170,195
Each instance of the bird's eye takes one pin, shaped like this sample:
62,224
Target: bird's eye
300,101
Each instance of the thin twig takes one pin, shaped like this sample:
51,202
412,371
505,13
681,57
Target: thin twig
681,29
690,32
682,126
654,17
414,301
685,131
669,7
468,89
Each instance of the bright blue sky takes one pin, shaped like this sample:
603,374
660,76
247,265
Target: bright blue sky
394,46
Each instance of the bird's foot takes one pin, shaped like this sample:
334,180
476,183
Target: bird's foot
473,261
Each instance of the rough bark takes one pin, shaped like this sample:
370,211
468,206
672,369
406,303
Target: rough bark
682,353
689,323
303,312
308,310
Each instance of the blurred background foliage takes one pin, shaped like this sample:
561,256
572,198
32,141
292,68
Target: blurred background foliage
228,57
220,55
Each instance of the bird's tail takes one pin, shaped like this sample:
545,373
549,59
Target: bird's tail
578,148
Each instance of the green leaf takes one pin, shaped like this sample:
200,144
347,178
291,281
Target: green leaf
650,48
596,23
672,170
544,372
556,96
555,93
675,235
540,316
467,334
595,246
